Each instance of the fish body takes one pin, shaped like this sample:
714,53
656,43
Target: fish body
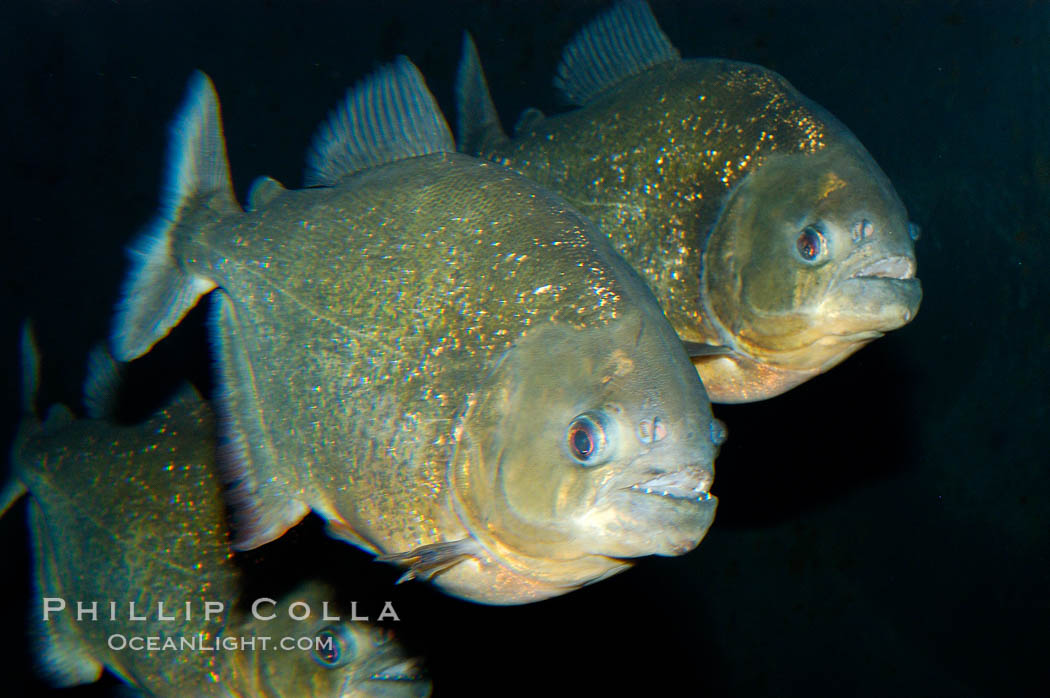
445,361
775,244
130,542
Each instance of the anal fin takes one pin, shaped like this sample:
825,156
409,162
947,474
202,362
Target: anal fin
428,560
263,509
343,531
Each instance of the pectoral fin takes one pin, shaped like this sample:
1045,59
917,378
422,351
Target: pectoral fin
428,560
698,349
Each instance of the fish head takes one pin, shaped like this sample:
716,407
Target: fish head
337,658
811,258
588,443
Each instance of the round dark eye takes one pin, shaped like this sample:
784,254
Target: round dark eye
333,647
586,439
811,243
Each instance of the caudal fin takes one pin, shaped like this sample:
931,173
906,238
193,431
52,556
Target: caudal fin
158,291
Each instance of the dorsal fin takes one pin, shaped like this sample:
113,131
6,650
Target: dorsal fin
102,384
263,191
30,369
619,43
527,121
478,121
387,117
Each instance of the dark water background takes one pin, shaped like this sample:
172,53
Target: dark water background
882,530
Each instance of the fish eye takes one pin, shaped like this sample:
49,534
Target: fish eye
333,647
587,439
914,231
811,244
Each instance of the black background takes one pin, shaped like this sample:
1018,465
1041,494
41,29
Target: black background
882,529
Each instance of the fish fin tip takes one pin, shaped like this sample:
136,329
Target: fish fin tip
427,561
388,116
158,292
58,417
262,510
12,492
477,121
344,532
528,120
621,42
60,657
102,383
264,190
30,359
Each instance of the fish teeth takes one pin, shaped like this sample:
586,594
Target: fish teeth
696,495
897,267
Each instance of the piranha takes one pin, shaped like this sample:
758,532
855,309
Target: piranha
122,514
445,361
775,244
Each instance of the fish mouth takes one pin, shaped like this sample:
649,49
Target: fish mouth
689,484
900,267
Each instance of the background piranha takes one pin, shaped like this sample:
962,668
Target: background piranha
776,245
135,514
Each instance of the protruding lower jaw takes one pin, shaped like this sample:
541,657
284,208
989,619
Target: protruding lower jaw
895,267
687,484
666,513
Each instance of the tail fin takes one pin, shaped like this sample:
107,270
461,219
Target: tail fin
158,292
478,121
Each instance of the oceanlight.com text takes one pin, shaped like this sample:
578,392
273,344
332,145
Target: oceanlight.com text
208,643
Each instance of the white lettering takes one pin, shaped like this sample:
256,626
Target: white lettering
160,612
353,612
324,612
212,608
255,609
111,642
291,610
388,612
50,606
131,612
82,610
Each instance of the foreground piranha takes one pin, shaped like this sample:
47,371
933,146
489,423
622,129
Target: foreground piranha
135,514
775,244
445,361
